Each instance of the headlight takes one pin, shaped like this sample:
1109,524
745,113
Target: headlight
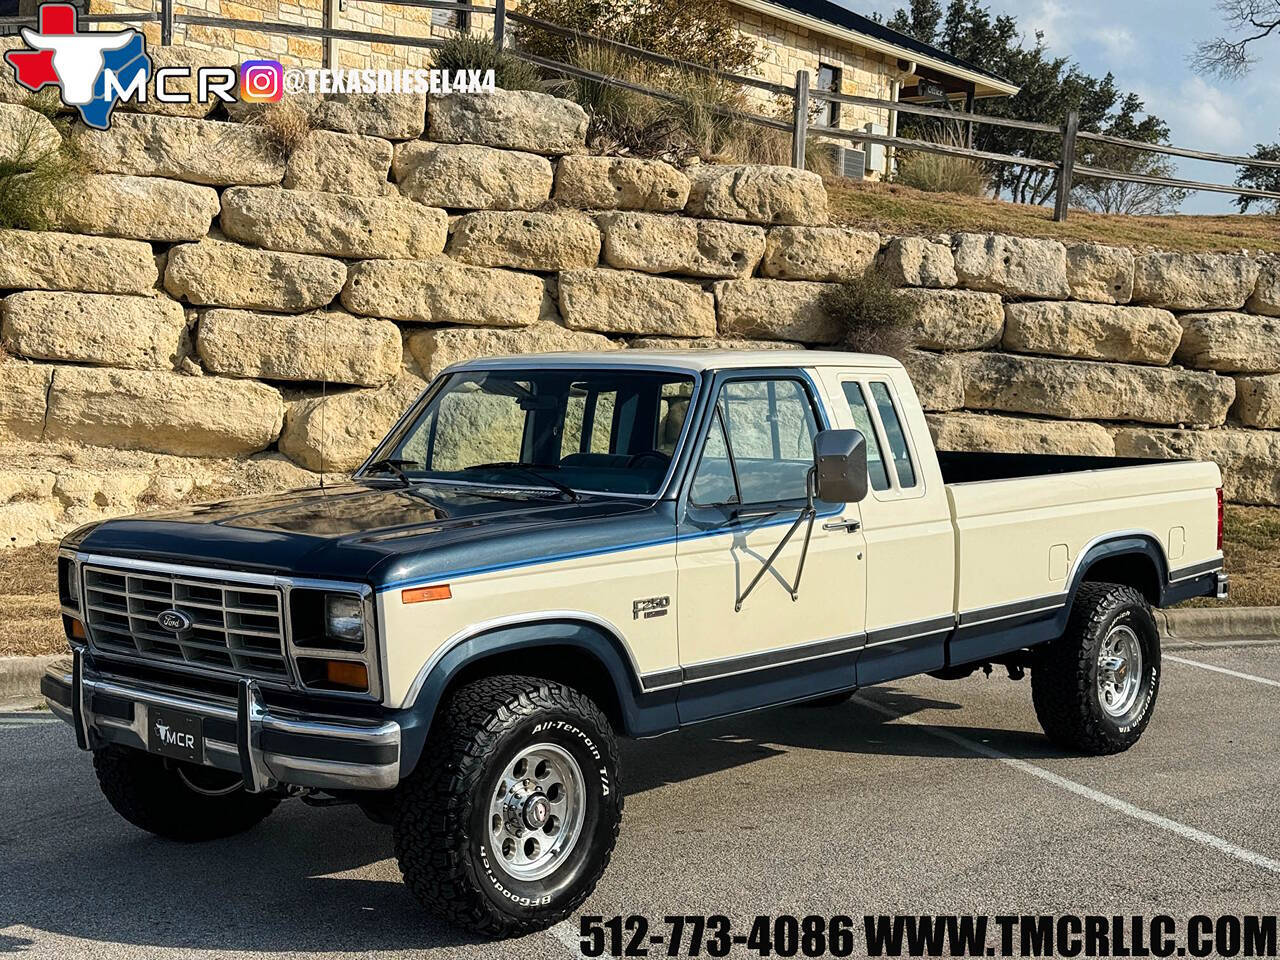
331,639
68,583
343,617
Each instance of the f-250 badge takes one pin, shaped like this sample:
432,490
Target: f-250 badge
650,608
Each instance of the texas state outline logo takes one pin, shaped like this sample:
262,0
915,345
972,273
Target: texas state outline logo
91,69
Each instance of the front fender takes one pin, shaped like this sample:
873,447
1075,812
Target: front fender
642,713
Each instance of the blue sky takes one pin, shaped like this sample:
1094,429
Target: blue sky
1145,44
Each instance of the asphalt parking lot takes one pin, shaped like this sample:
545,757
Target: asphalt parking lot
917,797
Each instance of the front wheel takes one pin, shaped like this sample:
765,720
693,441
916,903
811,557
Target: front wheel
510,818
1095,687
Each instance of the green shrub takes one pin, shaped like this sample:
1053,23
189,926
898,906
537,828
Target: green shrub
873,314
465,51
36,180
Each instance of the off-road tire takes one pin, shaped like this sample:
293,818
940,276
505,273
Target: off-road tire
150,793
1064,678
442,810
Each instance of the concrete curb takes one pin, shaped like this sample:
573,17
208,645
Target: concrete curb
20,676
1199,622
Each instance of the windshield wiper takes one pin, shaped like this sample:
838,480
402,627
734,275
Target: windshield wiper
392,465
562,488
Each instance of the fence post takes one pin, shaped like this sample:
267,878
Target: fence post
166,23
1067,166
499,23
800,119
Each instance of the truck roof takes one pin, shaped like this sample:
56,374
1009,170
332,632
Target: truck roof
693,360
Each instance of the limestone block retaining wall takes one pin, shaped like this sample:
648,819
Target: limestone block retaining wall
200,287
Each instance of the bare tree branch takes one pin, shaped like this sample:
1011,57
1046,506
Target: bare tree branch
1247,22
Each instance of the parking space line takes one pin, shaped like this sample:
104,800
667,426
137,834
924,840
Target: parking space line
1229,673
1097,796
564,932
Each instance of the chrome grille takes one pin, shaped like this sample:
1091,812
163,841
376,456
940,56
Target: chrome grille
236,627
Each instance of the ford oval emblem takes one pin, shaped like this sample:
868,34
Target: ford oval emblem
175,621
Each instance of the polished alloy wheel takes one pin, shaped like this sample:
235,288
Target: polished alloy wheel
536,813
1119,670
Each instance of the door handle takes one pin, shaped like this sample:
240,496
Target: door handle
850,526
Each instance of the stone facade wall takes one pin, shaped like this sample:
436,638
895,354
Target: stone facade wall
230,46
783,48
169,337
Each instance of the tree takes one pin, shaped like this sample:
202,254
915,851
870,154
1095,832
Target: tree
1247,21
1118,196
1050,88
921,22
1261,178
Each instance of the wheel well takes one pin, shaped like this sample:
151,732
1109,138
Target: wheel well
564,663
1135,570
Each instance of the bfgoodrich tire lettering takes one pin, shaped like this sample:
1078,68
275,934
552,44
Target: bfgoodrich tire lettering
446,839
1078,683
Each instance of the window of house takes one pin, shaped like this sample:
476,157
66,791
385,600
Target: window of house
451,19
828,79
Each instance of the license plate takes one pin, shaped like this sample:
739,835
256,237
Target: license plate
172,733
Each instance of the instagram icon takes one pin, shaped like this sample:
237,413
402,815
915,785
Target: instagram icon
261,81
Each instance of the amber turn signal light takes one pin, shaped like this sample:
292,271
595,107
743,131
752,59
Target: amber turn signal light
347,673
423,594
76,628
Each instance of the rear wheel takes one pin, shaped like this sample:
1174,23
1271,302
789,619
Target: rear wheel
1094,688
175,800
510,818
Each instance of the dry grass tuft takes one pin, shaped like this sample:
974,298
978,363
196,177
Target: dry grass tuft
287,123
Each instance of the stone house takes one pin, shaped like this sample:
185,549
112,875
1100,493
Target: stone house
854,55
842,50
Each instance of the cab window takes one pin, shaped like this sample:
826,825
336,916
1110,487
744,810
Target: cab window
760,445
877,472
894,435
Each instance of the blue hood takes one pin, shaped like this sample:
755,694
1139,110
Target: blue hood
378,531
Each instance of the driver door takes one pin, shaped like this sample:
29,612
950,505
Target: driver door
746,488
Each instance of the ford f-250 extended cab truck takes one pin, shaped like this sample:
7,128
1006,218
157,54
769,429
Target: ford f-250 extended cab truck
548,551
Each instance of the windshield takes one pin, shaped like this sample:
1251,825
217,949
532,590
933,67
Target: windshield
600,430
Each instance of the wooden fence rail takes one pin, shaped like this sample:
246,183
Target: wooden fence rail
1065,167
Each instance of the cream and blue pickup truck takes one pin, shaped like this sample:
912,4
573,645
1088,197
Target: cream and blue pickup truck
548,552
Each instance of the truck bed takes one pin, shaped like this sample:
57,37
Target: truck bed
977,467
1022,521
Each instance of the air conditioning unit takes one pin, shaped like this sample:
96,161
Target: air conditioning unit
850,162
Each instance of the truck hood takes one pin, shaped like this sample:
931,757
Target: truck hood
374,531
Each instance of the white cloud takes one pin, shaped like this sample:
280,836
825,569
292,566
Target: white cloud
1117,42
1203,116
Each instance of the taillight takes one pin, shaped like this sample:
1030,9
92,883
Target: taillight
1219,518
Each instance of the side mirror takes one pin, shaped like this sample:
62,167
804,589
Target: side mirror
840,462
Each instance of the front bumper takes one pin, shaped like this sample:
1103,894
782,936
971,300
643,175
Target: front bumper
268,750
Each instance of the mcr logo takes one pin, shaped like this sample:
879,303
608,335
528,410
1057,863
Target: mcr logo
171,737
